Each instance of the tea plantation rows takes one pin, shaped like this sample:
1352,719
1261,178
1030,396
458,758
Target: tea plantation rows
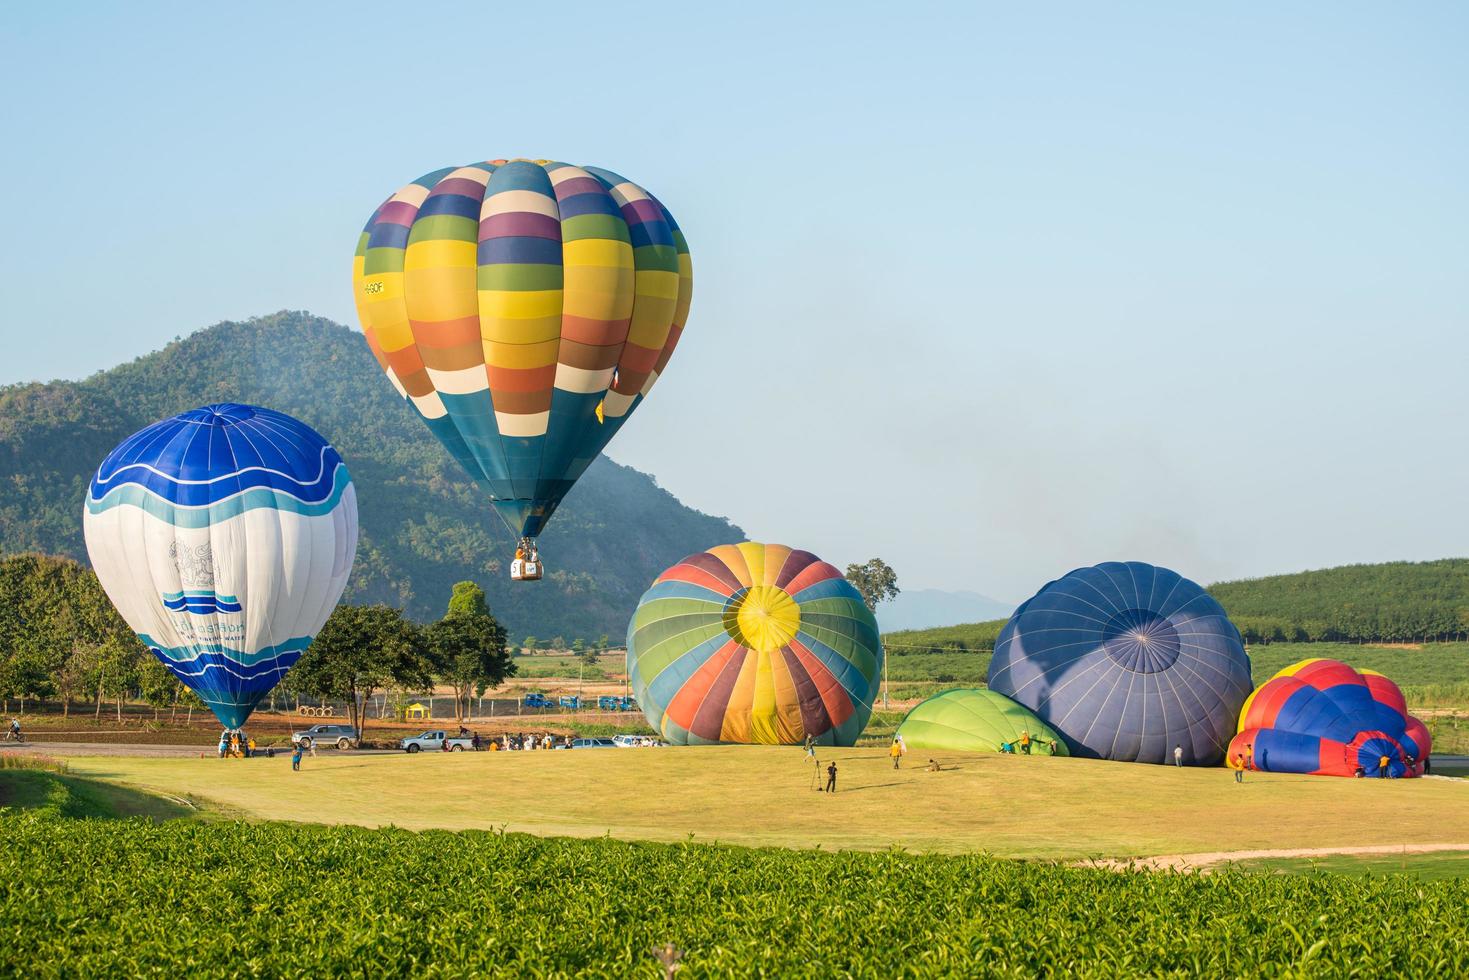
188,898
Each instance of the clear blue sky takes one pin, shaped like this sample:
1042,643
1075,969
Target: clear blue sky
989,290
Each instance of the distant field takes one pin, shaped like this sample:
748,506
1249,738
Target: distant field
1411,666
1006,805
1423,867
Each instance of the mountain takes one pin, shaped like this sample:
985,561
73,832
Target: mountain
927,608
424,523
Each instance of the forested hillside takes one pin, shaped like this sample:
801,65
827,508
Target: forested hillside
1395,602
425,525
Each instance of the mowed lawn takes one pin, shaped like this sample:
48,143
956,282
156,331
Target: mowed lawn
1012,806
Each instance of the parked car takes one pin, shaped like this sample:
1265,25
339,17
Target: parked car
573,702
342,736
534,700
611,702
434,742
628,740
593,743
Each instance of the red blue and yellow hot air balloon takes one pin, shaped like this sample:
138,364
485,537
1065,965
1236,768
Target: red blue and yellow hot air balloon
754,643
1326,718
524,308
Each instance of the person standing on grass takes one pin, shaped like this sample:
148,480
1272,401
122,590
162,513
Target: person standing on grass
1239,767
896,751
224,744
1382,767
296,758
1025,741
831,777
810,746
1178,755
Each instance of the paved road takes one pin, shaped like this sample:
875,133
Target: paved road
155,751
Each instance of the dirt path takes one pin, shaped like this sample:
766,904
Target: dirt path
1204,861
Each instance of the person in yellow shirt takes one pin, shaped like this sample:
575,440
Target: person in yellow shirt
896,751
1025,742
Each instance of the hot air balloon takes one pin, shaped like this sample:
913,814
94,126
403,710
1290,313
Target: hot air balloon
1128,661
975,719
224,537
524,308
754,643
1326,718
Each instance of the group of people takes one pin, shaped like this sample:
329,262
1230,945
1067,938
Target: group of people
1023,744
528,742
236,745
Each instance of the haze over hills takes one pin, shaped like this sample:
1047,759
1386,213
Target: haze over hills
424,523
918,609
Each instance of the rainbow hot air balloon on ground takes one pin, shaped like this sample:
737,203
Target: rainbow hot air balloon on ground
1326,718
754,643
224,537
524,309
1129,661
976,720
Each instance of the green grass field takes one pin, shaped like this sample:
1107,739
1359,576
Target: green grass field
1011,806
1423,867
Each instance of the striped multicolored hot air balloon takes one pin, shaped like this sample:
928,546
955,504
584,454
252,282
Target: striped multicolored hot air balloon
523,308
754,643
224,536
1326,718
1129,661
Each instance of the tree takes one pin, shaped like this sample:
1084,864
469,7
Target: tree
467,647
875,580
528,645
360,650
603,643
558,643
156,684
117,675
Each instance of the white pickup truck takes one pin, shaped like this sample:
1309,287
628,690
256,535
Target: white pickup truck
434,741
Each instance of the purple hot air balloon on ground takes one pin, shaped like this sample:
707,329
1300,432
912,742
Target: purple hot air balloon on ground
1127,661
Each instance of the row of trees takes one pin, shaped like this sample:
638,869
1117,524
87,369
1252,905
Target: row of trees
578,646
1395,602
61,638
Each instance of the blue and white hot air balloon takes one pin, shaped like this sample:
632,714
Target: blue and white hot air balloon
224,536
1128,661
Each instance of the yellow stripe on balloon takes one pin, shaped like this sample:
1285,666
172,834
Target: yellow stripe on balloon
754,555
385,312
736,726
526,304
763,714
775,559
787,702
439,279
606,252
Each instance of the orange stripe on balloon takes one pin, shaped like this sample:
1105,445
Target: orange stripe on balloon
685,705
524,380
